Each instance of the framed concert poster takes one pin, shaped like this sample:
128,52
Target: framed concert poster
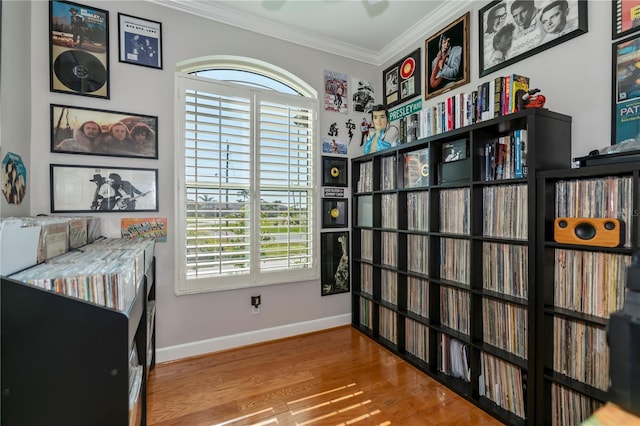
626,17
401,81
140,41
98,189
78,49
334,268
511,31
88,131
625,112
447,54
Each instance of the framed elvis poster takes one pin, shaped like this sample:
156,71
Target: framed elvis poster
447,54
88,131
625,118
626,17
78,49
140,41
94,189
401,81
335,262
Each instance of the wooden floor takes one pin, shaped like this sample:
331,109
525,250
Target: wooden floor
333,377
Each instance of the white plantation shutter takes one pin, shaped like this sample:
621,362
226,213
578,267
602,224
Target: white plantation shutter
246,186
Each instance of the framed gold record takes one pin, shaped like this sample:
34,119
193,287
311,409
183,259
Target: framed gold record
78,49
334,212
334,171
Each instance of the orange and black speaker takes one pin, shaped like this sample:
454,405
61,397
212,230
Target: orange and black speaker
588,231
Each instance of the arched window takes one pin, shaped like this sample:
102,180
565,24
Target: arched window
245,169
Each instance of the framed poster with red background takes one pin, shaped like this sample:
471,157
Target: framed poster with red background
401,81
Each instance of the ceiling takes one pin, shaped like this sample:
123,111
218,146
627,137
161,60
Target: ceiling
373,31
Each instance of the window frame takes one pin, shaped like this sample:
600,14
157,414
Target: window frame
308,96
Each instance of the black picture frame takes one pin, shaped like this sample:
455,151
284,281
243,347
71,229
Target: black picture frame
455,63
623,22
335,212
625,110
95,189
334,267
498,28
334,171
139,41
401,81
72,130
78,49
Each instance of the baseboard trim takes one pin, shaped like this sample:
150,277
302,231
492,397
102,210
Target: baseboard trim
186,350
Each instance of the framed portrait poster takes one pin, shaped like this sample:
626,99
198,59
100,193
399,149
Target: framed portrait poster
447,54
625,120
97,189
139,41
514,30
334,212
334,268
78,49
626,17
334,171
401,81
88,131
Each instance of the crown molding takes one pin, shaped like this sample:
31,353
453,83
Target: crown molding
220,13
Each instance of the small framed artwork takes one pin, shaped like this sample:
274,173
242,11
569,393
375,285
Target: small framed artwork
447,54
626,17
335,262
625,119
334,212
94,189
78,49
88,131
512,30
401,81
140,41
334,171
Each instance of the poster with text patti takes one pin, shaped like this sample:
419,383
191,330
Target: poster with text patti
335,92
627,123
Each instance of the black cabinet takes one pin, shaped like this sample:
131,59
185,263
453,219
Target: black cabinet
444,254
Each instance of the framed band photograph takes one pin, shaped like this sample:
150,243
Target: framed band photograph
626,17
625,112
334,212
512,30
334,268
447,54
78,49
401,81
97,189
139,41
88,131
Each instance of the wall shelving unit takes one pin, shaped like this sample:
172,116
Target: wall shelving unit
444,260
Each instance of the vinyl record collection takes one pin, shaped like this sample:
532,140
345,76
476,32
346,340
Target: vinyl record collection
418,296
612,197
388,172
388,324
504,384
366,317
389,244
418,211
366,244
455,256
389,211
366,272
365,181
417,339
506,211
454,309
389,286
504,269
453,358
454,211
418,253
570,407
504,325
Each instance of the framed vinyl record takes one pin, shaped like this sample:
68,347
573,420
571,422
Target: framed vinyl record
334,212
78,49
334,171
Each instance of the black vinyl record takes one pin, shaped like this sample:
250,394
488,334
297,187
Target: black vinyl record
80,71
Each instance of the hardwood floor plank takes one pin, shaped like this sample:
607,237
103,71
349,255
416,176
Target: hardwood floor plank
333,377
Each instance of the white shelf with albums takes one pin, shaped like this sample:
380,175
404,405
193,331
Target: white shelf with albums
78,328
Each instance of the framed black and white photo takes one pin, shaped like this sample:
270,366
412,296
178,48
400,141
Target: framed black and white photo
401,81
78,49
140,41
88,131
512,30
625,119
335,263
334,171
96,189
626,17
334,212
447,53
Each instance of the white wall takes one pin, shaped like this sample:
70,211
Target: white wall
575,77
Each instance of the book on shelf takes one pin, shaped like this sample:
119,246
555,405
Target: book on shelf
518,83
